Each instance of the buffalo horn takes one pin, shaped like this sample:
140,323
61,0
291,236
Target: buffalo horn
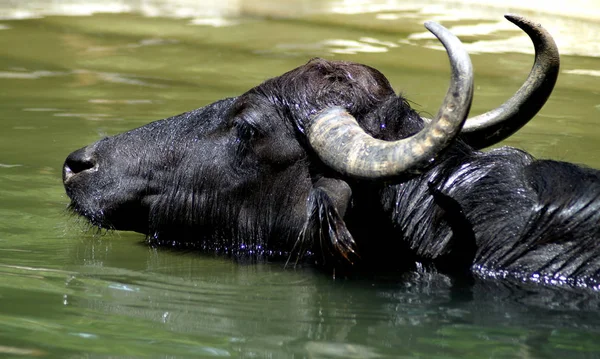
343,145
494,126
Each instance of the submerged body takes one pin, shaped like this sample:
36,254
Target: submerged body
505,214
245,177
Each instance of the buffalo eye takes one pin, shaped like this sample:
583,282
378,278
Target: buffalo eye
245,137
262,135
244,131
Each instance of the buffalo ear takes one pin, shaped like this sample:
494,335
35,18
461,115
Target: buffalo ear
325,232
337,191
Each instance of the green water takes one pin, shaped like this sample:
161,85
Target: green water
69,292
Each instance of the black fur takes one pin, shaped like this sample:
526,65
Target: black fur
237,177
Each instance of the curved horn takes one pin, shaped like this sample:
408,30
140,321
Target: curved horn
494,126
342,144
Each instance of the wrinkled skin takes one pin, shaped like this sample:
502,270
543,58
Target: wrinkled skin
238,177
235,176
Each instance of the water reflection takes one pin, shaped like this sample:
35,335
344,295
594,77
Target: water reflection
584,72
575,27
340,46
265,310
84,77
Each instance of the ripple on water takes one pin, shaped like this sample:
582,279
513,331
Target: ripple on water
111,77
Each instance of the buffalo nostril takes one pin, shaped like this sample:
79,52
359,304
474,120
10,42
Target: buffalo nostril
77,162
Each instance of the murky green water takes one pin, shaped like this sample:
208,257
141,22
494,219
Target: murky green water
68,292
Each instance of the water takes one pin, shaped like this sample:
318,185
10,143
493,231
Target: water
66,291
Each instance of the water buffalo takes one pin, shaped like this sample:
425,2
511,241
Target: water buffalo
327,164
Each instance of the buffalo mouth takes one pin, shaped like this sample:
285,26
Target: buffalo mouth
125,217
91,201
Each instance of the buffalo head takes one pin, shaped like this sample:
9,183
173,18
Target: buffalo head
280,169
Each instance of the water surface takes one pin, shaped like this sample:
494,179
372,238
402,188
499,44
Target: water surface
66,291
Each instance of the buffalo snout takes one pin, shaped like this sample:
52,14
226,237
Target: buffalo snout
80,161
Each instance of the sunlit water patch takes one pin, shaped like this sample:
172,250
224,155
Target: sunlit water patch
341,46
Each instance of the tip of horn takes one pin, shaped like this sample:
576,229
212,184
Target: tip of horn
522,22
513,17
431,25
